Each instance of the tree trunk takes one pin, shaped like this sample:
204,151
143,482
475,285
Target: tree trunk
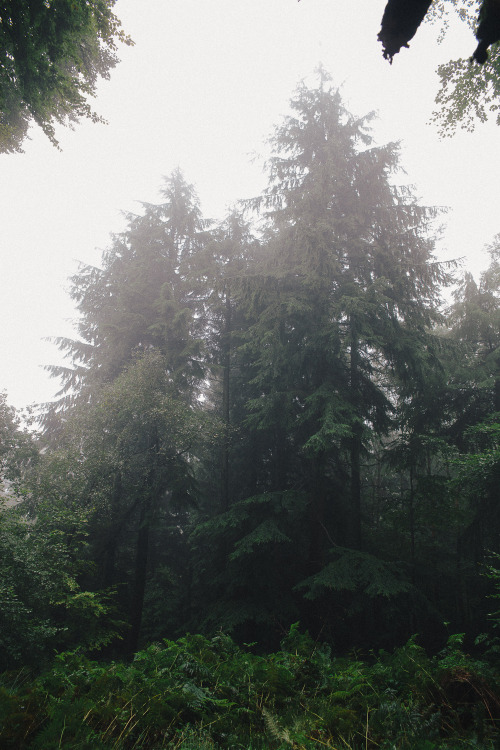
139,584
412,524
113,534
317,511
496,387
226,381
355,443
149,500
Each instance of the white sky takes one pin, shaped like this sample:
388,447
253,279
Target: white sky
202,89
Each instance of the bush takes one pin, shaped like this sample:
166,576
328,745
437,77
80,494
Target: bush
197,693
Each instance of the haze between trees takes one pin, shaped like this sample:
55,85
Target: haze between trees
263,427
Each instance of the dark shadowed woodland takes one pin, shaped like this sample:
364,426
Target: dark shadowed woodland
264,510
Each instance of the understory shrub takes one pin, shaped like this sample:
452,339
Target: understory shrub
199,694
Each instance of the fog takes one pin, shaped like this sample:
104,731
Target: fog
202,89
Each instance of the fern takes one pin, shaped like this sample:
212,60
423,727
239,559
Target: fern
208,694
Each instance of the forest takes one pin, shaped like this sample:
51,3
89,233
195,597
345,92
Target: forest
264,510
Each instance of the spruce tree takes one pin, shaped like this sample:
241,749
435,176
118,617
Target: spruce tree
139,299
137,372
355,285
339,313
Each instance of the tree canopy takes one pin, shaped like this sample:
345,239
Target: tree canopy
52,55
470,86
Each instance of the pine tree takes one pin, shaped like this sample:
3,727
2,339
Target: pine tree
355,288
139,299
470,414
474,322
217,278
337,312
138,371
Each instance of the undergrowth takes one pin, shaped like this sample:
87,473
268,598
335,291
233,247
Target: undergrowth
205,694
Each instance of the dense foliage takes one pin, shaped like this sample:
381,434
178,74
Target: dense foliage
258,428
469,92
197,693
52,55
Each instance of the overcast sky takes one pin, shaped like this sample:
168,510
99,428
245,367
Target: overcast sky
202,89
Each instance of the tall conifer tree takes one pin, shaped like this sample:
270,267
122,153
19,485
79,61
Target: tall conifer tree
338,318
139,299
355,285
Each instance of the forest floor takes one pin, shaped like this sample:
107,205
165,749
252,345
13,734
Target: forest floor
204,694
